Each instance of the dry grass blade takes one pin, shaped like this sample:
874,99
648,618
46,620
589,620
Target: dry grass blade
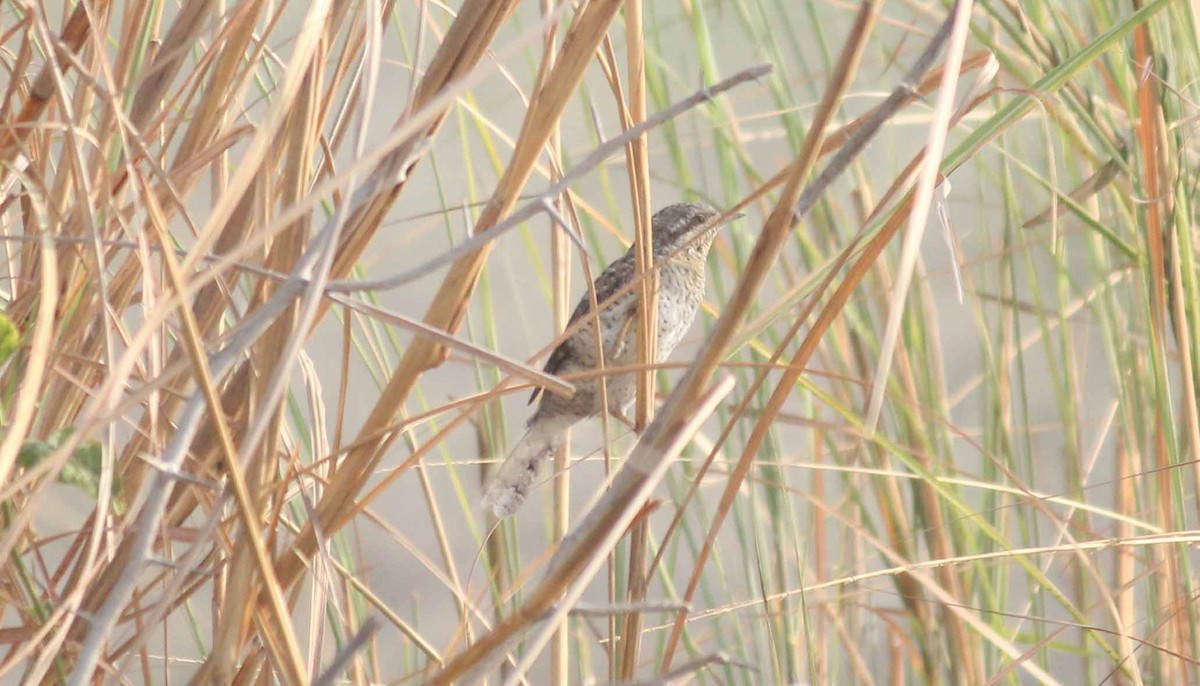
515,367
307,44
579,558
630,644
205,478
539,202
357,643
560,255
1090,186
74,34
637,163
460,52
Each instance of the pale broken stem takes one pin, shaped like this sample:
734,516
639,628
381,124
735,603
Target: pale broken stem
922,199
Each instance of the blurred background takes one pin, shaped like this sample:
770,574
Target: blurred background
1023,510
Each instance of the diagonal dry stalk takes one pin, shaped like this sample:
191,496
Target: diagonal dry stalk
569,576
449,305
790,211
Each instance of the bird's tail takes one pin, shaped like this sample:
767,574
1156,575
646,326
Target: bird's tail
515,476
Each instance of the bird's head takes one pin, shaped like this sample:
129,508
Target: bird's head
686,223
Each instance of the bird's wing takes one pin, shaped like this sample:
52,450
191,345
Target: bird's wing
609,281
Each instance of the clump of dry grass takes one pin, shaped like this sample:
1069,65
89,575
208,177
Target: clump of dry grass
200,481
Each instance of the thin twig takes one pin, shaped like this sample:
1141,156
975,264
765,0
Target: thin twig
340,661
681,673
625,608
539,202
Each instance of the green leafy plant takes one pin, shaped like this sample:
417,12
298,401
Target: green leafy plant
82,469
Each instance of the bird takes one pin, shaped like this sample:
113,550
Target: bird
681,236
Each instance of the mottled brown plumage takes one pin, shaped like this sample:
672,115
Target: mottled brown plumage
682,235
